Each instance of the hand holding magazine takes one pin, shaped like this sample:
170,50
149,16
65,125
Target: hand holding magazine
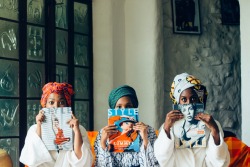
126,139
188,131
56,132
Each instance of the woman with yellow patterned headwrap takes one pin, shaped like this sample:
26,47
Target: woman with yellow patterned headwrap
35,153
184,81
188,90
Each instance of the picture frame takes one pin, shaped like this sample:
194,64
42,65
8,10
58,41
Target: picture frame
230,12
186,16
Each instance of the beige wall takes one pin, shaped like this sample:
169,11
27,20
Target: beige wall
103,58
125,51
245,69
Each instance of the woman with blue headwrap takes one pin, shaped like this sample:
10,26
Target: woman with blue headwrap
125,97
185,90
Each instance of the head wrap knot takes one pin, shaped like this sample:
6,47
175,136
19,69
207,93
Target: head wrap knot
58,88
184,81
121,91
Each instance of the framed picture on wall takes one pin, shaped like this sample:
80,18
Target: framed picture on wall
230,12
186,16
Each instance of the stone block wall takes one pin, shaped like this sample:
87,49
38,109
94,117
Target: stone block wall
213,56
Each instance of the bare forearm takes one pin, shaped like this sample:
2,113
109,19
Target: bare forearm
78,144
103,144
145,143
167,131
216,135
39,130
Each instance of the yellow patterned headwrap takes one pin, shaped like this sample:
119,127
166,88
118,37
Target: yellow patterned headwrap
184,81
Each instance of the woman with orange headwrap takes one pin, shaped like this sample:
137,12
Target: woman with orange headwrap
35,153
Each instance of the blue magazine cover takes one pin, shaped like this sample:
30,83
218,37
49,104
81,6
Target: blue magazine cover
126,139
189,132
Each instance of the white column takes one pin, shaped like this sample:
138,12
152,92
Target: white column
126,42
102,59
141,32
245,68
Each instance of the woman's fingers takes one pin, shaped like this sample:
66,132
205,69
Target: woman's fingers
73,122
174,116
140,126
207,119
73,116
204,117
110,129
171,118
40,117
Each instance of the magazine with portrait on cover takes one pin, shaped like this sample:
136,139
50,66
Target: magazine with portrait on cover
56,132
189,132
126,139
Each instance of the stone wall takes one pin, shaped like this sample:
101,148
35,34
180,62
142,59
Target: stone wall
213,56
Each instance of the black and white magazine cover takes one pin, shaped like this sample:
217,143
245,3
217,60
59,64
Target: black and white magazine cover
189,132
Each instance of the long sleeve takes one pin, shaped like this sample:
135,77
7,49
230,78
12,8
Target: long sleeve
164,149
217,155
209,156
35,153
148,154
102,156
143,158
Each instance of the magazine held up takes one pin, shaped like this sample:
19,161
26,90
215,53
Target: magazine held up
189,132
56,132
126,139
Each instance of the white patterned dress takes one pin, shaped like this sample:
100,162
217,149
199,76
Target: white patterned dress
143,158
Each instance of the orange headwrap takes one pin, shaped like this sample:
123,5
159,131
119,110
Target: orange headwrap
58,88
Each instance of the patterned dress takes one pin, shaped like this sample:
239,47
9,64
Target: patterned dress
143,158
